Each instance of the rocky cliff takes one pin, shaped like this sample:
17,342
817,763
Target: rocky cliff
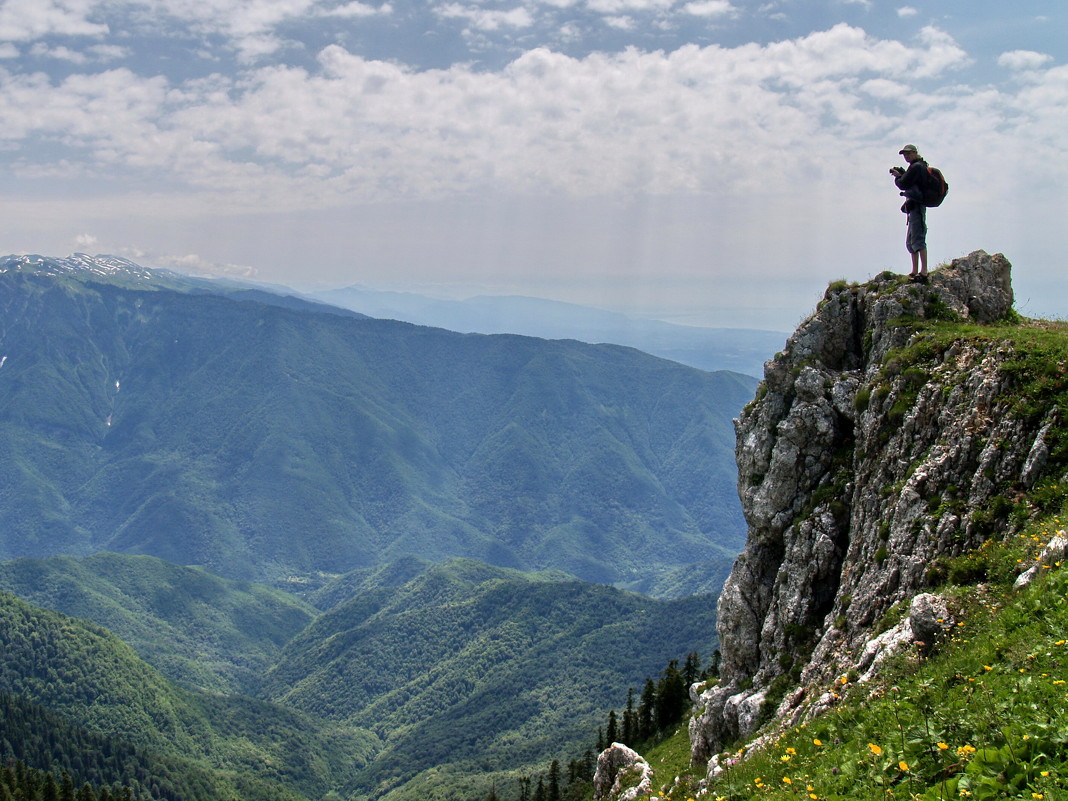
877,447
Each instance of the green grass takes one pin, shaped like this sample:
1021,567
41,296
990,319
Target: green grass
984,717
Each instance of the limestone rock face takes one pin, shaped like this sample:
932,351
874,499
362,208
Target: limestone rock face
622,775
864,460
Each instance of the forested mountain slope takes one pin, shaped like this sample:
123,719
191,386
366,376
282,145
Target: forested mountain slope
420,678
236,746
478,670
194,627
263,441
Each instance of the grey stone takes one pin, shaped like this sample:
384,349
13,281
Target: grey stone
618,765
858,472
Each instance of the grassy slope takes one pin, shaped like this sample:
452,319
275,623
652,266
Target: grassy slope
986,715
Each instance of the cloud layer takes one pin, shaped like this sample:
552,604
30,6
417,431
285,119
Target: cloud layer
183,110
698,119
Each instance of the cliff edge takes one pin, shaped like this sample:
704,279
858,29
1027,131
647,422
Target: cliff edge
872,451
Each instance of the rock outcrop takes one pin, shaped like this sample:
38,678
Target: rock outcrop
622,774
870,454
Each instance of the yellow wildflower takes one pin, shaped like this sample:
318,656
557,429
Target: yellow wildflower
943,746
817,742
903,765
874,749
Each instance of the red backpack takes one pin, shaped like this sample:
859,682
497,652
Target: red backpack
936,188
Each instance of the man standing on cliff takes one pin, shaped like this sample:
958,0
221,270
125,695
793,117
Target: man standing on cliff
911,183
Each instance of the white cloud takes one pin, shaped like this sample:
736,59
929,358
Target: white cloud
617,6
93,53
943,53
61,53
486,19
107,52
709,8
778,152
358,9
194,264
26,20
1024,60
907,11
699,120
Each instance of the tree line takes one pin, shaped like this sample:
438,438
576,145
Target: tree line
646,719
59,756
21,783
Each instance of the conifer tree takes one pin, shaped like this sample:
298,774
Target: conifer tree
630,720
66,788
692,670
713,665
647,710
554,781
671,697
49,790
612,734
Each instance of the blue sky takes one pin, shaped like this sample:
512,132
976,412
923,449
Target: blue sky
712,162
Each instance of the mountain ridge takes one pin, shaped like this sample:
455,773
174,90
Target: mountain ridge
164,411
740,350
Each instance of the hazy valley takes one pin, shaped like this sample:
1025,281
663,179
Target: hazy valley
339,555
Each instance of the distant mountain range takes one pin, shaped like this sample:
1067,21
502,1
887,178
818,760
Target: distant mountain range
328,556
740,350
264,436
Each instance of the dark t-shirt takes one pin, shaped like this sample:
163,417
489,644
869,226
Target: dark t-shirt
912,181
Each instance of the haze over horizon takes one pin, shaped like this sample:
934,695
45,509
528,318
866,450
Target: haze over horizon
708,162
